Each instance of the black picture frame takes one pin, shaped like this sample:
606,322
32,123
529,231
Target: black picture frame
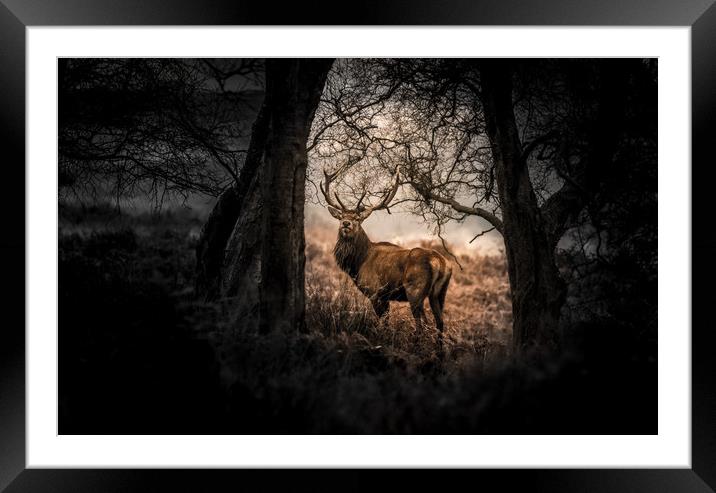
16,15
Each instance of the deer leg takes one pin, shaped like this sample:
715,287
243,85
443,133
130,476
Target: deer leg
416,306
437,309
416,291
443,290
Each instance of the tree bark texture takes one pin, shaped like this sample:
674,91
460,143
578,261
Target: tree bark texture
252,246
538,292
213,256
294,88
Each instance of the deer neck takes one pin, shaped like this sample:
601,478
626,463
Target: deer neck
352,252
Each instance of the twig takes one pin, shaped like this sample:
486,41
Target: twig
480,234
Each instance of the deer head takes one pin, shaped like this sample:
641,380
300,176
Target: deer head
351,218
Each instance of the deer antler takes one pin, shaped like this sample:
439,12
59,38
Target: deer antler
329,177
387,198
363,210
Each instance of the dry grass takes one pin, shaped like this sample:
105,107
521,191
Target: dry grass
139,354
478,314
353,373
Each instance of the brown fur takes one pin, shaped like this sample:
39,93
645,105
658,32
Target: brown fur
384,272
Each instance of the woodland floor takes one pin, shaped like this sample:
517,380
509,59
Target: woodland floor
138,354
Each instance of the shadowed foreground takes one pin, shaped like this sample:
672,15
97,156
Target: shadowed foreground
138,355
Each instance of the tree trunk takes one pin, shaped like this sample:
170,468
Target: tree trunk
236,205
538,292
240,273
252,247
294,88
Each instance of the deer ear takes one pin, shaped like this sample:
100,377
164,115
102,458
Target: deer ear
334,212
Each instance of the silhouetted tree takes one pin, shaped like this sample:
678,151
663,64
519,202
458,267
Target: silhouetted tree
153,127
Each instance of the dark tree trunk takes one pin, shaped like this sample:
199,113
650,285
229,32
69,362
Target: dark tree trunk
212,241
252,246
538,292
236,205
240,274
294,88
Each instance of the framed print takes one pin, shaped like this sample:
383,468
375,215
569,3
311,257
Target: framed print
409,242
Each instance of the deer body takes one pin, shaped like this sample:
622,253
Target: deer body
385,272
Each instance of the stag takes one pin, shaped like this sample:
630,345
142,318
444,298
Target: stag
382,271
